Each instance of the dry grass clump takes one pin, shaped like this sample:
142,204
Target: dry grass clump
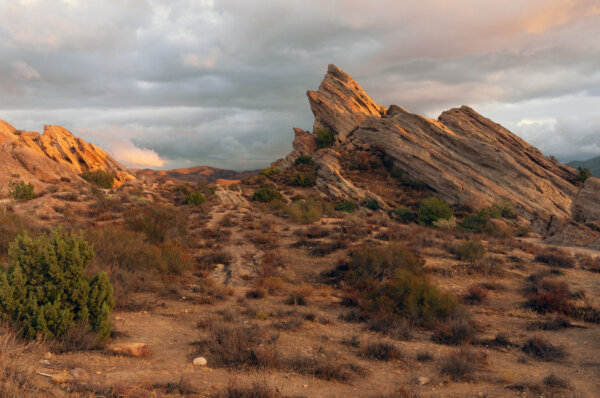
546,295
255,293
475,295
457,330
239,346
255,390
556,322
326,366
540,348
555,382
462,364
589,263
555,258
18,362
469,250
380,351
181,387
299,295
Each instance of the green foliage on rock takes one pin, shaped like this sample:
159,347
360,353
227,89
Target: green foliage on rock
46,290
266,194
584,174
269,171
304,159
348,207
20,191
302,180
433,209
404,215
100,178
325,137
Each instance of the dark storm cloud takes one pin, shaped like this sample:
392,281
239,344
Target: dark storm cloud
186,82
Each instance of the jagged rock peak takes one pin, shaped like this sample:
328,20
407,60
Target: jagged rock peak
54,155
341,104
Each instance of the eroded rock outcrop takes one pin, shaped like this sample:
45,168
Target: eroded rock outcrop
462,156
47,158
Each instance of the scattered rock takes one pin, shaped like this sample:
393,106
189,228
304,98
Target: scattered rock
44,362
130,349
200,361
423,380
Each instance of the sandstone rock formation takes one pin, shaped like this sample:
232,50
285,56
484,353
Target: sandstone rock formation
47,158
462,156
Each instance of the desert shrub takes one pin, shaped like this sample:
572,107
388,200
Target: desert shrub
404,215
239,346
100,178
583,174
299,295
309,210
302,180
424,356
254,390
158,222
445,224
372,204
523,230
461,364
269,172
381,351
541,348
266,194
325,137
46,291
503,209
433,209
475,294
469,250
256,293
195,199
348,207
304,159
545,295
326,367
20,191
553,323
372,262
18,364
553,381
457,330
556,258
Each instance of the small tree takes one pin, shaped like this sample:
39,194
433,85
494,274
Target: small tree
46,290
195,199
21,191
266,194
584,174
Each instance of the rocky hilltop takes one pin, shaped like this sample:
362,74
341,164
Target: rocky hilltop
196,174
48,158
462,157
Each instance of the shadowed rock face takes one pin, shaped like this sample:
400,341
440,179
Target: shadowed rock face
47,158
463,157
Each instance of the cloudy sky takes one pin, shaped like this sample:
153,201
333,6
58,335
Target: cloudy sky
178,83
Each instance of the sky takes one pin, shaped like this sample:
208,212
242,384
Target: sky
180,83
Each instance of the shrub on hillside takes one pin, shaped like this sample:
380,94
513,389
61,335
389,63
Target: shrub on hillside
46,291
157,222
556,258
100,178
309,210
348,207
304,159
269,172
266,194
302,180
372,204
469,250
20,191
433,209
325,137
404,215
583,174
195,199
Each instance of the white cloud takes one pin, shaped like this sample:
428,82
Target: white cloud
133,156
23,71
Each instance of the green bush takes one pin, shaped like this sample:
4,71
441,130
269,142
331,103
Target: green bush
477,222
302,180
46,290
100,178
470,250
348,207
404,215
20,191
412,297
309,210
583,174
325,137
195,199
266,194
304,159
372,204
269,172
504,209
433,209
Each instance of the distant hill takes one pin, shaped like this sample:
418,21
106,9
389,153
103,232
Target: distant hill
592,164
196,174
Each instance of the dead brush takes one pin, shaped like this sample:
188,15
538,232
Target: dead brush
381,351
326,366
462,364
555,258
254,390
475,295
299,295
540,348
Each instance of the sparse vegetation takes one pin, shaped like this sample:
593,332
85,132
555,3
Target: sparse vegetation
304,159
270,172
302,180
404,215
540,348
100,178
325,137
21,191
195,199
583,174
461,364
348,207
470,250
433,209
266,194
